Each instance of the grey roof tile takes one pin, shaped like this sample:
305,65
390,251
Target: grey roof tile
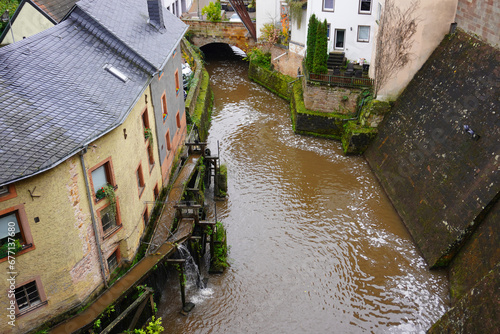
55,95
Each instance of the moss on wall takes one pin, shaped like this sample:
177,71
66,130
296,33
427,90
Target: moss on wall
199,101
356,138
422,146
274,81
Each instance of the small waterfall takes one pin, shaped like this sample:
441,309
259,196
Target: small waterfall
191,270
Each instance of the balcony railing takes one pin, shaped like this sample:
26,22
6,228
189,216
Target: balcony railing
342,81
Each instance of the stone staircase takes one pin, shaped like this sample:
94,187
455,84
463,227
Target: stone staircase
335,59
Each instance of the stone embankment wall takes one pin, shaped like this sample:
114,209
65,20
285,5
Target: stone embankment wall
445,181
199,100
331,121
274,81
480,17
326,98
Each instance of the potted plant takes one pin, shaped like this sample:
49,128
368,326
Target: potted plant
148,134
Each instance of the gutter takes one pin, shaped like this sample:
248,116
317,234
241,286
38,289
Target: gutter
94,224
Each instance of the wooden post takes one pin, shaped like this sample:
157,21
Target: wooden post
183,288
180,262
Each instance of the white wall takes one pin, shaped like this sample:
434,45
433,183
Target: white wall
178,6
266,11
28,22
346,16
299,36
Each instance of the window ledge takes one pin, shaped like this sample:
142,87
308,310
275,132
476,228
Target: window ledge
112,232
99,200
31,308
26,248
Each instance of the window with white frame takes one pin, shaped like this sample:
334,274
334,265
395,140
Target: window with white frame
363,34
365,6
328,26
339,39
328,5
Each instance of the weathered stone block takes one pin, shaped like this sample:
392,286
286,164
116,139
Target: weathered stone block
441,180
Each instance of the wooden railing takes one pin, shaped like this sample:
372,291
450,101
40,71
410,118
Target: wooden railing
342,81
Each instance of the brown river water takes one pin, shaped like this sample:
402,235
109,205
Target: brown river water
315,244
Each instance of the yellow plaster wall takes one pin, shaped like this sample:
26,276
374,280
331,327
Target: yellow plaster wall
28,22
60,241
126,154
65,255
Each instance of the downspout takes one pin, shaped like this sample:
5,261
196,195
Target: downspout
94,225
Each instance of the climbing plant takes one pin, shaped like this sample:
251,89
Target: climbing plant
148,135
321,49
296,10
394,41
311,41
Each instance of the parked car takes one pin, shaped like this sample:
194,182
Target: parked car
235,18
187,73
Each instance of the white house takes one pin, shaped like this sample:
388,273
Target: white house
177,7
350,26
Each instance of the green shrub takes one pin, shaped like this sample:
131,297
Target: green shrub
311,41
213,11
321,50
270,33
259,57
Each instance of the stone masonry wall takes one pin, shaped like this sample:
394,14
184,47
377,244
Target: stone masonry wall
441,179
480,17
232,33
444,181
330,99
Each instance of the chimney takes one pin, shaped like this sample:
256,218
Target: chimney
156,14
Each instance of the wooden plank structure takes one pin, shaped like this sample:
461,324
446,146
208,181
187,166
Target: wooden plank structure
140,303
240,8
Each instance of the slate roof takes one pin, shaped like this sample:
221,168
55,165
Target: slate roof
56,96
135,34
56,9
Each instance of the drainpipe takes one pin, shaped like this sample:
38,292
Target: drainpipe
94,225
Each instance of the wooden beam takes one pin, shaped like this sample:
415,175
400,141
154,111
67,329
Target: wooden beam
132,306
176,260
206,223
137,314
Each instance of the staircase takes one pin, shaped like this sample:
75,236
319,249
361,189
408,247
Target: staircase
335,59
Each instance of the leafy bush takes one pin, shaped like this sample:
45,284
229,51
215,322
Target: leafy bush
259,57
4,249
271,33
213,11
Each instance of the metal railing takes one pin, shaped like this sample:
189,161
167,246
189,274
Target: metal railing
342,81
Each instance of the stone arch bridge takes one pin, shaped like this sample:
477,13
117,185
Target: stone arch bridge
232,33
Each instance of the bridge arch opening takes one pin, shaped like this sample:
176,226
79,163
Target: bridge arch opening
222,51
